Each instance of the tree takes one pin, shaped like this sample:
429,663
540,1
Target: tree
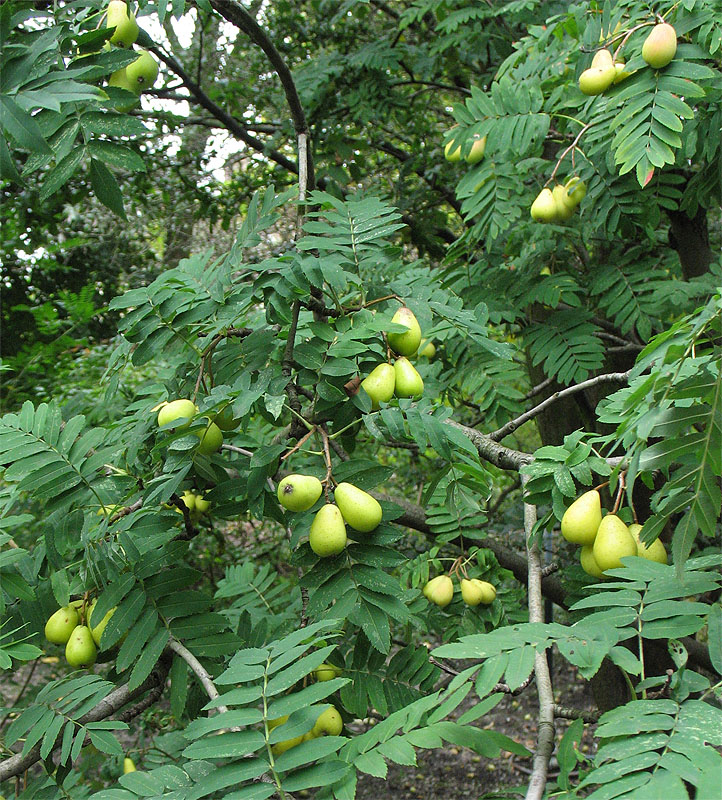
602,328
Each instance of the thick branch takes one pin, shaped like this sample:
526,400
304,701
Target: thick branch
198,669
491,451
17,764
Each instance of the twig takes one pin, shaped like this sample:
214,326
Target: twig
299,444
199,670
562,712
510,427
545,727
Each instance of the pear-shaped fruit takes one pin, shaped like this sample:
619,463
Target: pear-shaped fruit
654,552
581,520
660,46
408,381
406,343
477,151
329,723
189,500
450,155
143,71
602,58
299,492
564,210
61,625
202,505
440,590
576,190
326,672
281,747
126,28
119,80
328,531
589,563
622,73
128,766
488,591
359,509
612,543
211,439
177,410
80,651
470,592
427,349
97,628
596,80
379,384
225,419
544,208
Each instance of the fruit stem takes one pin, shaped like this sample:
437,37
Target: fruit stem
629,33
298,444
601,486
572,146
329,464
620,491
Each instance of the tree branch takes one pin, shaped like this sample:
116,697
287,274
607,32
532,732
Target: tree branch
198,669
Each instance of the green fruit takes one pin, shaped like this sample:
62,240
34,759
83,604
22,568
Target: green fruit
211,439
660,46
202,505
596,80
575,191
281,747
225,419
544,208
328,532
581,520
188,499
329,723
427,349
142,72
61,625
128,766
358,508
175,410
80,651
589,563
452,156
408,381
326,672
406,343
120,80
440,590
653,552
612,543
379,384
488,591
477,151
97,630
274,723
470,592
299,492
602,58
622,74
126,28
564,211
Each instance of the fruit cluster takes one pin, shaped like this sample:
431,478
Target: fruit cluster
329,723
475,154
182,412
140,74
195,503
558,204
440,591
70,625
352,507
400,379
604,540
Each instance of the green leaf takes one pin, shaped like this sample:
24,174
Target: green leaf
106,187
21,126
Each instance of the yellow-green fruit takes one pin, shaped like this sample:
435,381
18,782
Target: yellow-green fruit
488,591
379,384
406,343
477,151
470,592
660,46
309,735
589,563
211,439
108,511
274,723
575,191
128,766
544,208
440,590
61,625
329,723
126,28
427,349
299,492
177,409
97,630
408,381
120,81
80,651
596,80
142,72
581,520
281,747
654,552
328,531
225,419
622,74
189,500
202,505
326,672
612,543
564,211
602,58
359,509
452,156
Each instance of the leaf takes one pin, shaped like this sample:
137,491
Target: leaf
21,126
62,173
106,187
